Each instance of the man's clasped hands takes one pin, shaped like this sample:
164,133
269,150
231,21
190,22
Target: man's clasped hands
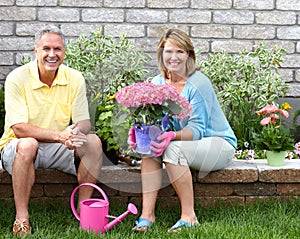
72,137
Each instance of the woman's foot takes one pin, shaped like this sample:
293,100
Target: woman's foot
183,224
142,225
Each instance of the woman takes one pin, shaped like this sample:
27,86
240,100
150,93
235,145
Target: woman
204,141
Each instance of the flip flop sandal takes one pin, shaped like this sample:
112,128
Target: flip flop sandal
141,225
179,225
21,228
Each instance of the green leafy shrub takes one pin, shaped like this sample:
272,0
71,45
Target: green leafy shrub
108,64
244,83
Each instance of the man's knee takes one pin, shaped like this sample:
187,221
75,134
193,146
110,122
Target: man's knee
95,144
95,140
27,147
92,148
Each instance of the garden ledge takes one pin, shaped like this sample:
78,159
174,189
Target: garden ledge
241,182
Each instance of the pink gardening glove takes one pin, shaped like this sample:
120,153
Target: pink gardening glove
164,139
131,139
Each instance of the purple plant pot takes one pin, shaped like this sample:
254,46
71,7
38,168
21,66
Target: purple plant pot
144,135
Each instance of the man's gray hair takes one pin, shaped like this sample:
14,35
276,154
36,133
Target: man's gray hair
48,29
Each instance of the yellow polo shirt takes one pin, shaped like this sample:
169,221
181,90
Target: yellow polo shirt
28,100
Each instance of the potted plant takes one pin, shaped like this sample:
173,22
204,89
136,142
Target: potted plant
274,137
152,107
244,83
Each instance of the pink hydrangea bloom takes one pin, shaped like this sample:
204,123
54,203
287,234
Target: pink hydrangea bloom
146,93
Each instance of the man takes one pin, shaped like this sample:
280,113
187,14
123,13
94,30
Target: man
42,97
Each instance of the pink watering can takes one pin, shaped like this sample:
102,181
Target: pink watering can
94,212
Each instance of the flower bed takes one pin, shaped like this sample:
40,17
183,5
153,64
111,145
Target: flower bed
250,154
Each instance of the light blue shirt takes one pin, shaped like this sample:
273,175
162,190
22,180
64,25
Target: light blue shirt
207,118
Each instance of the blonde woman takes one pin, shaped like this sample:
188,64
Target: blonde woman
204,141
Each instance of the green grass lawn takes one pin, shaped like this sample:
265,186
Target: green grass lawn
265,220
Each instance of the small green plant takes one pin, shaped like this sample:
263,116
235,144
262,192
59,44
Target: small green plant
108,65
245,83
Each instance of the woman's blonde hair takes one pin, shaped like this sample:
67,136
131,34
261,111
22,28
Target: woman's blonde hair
183,41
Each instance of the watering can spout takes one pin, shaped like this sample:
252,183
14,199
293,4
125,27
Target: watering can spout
131,209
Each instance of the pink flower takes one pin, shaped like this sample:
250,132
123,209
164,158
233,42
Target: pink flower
265,121
297,148
274,136
272,113
146,93
267,110
284,113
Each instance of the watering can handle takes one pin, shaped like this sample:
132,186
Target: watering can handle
76,189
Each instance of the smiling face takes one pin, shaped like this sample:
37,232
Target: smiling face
174,58
50,53
175,52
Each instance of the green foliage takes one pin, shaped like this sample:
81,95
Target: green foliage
2,111
273,138
150,113
244,83
111,124
108,65
25,59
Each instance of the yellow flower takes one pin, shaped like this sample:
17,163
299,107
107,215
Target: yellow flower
286,106
111,97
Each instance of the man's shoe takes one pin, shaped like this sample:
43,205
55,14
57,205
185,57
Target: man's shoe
21,227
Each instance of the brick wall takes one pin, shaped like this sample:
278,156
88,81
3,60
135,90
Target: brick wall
214,25
240,183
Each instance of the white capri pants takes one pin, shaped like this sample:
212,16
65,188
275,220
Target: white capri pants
207,154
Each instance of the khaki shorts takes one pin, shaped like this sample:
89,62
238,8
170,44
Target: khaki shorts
207,154
50,155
